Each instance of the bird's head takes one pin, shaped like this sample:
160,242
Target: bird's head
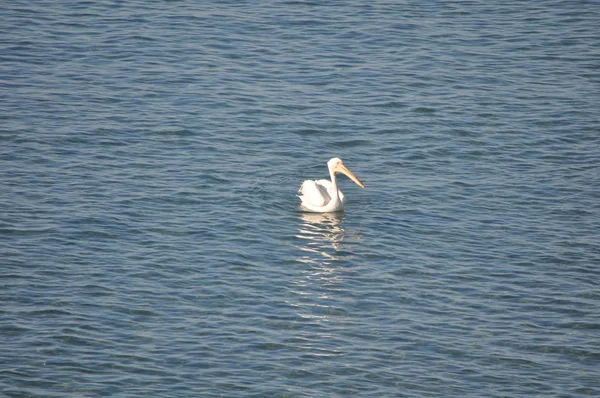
336,165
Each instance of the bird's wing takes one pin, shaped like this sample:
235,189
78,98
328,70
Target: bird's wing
315,193
329,186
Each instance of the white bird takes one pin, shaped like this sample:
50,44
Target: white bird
322,196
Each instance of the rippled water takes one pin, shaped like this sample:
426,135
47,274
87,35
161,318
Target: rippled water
150,238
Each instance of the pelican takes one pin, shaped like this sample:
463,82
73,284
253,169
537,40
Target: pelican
323,196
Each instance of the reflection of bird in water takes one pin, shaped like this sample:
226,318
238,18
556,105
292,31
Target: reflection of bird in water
322,233
322,196
326,250
322,227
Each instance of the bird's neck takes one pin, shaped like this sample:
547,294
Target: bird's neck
333,183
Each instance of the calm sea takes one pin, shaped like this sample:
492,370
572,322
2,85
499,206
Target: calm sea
151,243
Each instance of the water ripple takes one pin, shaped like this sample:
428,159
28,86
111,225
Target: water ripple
150,237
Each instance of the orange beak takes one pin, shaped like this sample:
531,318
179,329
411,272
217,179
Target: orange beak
340,168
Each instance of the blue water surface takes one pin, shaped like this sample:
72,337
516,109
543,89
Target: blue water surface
151,243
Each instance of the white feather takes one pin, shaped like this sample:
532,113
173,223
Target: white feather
323,195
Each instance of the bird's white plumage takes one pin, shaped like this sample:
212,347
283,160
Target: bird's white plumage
323,196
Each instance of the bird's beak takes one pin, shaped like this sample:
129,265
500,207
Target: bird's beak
340,168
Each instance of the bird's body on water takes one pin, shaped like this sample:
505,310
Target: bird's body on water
322,196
